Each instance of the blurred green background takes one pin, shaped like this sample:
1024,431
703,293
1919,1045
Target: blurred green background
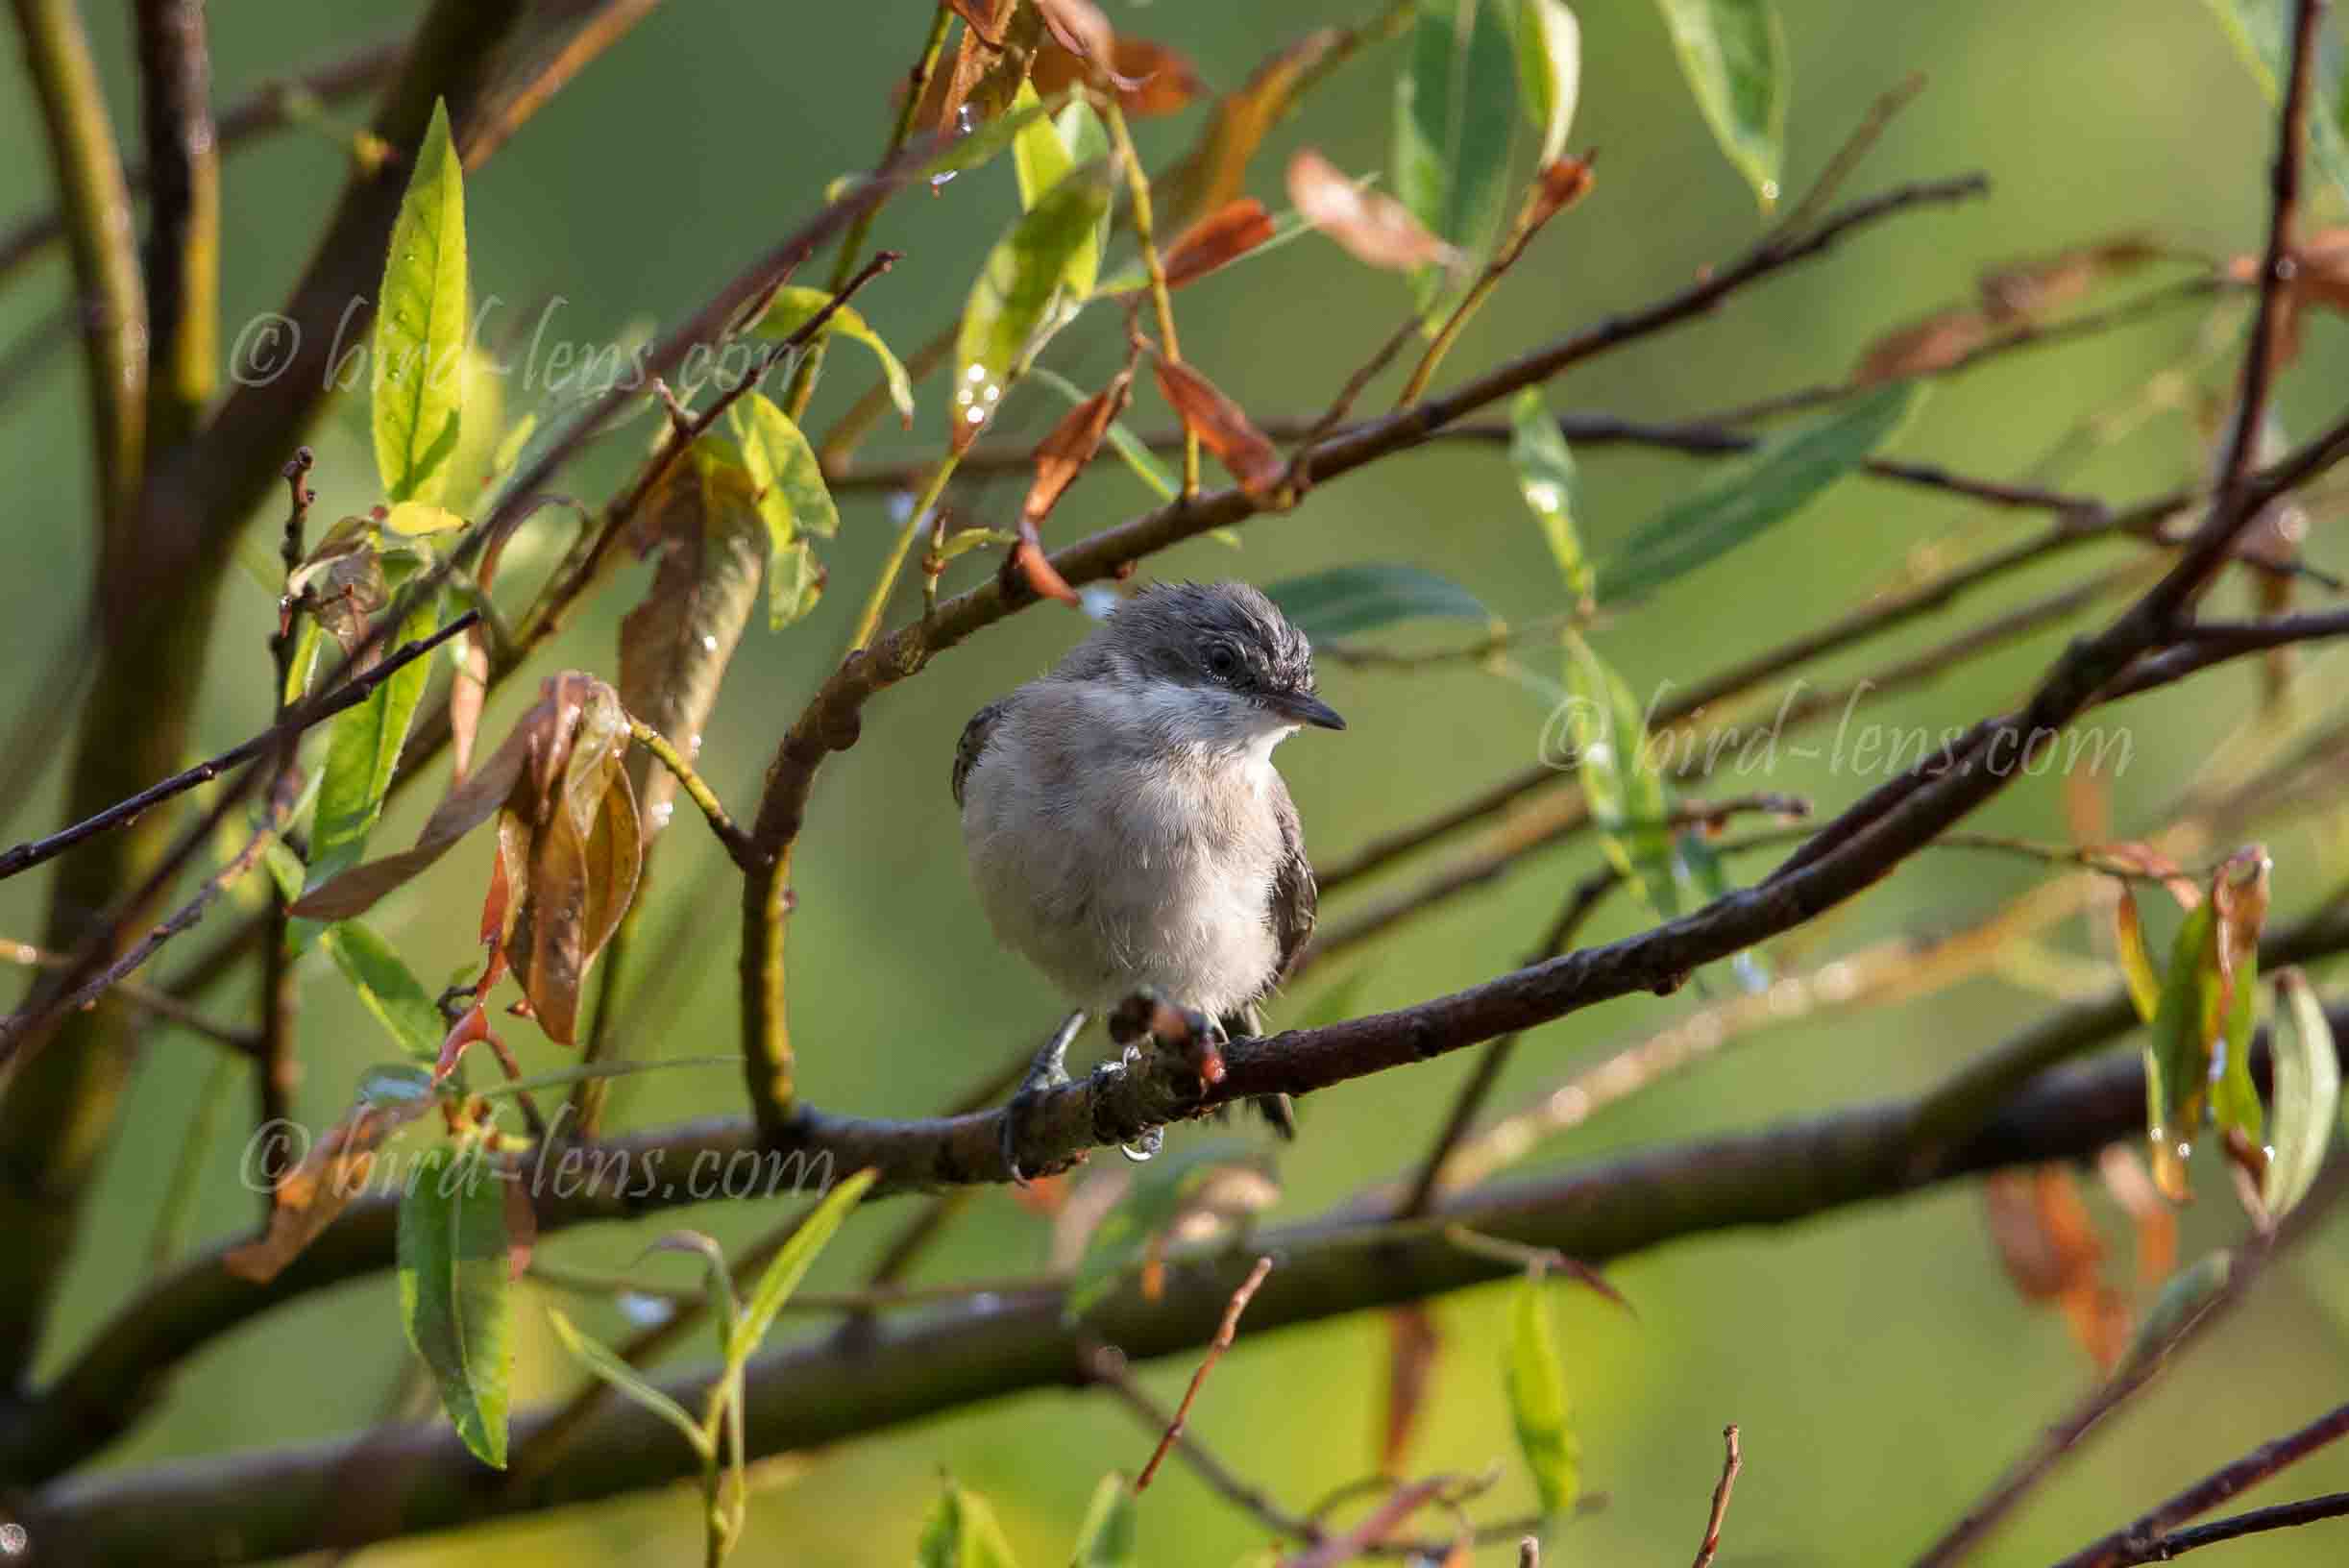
1881,1366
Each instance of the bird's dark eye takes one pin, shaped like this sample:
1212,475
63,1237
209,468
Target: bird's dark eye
1222,661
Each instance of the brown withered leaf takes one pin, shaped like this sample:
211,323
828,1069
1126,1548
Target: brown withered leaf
1221,425
989,65
703,523
2143,858
467,691
2155,1222
1065,450
980,16
2238,897
1557,187
1935,343
1223,236
1413,1345
584,853
1370,226
2025,291
520,1229
1215,170
2042,1232
1151,79
306,1198
341,581
1080,27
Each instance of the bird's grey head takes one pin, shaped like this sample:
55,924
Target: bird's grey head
1222,660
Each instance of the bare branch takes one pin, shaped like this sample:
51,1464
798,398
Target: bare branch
1731,1463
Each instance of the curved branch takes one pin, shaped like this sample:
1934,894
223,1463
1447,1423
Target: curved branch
285,1500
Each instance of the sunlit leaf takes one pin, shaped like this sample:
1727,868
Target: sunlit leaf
1549,68
1371,226
362,752
1786,475
782,1276
421,326
788,488
2307,1087
1222,425
1009,304
454,1295
1110,1538
961,1532
1342,600
2136,961
413,518
1156,80
1221,238
1733,53
1455,114
387,986
1546,475
630,1384
1216,171
794,308
1535,1382
1069,446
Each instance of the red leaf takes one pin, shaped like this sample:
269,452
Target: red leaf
1062,454
1221,237
1413,1347
1558,188
1371,226
1151,79
1221,425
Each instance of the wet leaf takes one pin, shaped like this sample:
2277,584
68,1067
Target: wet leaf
791,1264
1371,226
1010,305
961,1532
1152,79
630,1384
1155,1202
1222,426
387,986
1455,117
1110,1538
2308,1084
1787,474
1535,1382
676,644
1620,781
1342,600
1546,475
794,308
362,753
788,489
1218,240
1548,69
454,1295
585,852
421,326
1413,1348
1215,172
1733,53
986,143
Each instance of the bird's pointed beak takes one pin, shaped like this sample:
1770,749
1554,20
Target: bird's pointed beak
1307,709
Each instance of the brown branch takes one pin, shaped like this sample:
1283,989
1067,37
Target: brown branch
1106,1366
182,249
601,24
1215,1348
2282,1516
279,1501
160,1004
23,857
1731,1463
2130,1544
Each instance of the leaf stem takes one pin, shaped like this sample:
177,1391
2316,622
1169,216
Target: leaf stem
737,842
877,604
1138,186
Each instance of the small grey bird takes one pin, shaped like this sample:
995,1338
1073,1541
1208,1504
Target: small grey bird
1125,826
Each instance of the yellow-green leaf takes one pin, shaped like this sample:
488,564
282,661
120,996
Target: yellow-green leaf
1109,1537
454,1295
795,307
421,322
626,1382
1620,781
1535,1382
961,1532
789,1265
362,752
1548,70
2308,1091
387,987
1733,53
1012,305
416,518
1454,117
2136,961
1546,475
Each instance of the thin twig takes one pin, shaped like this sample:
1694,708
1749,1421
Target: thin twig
1162,298
2128,1544
736,842
2282,1516
1215,1348
162,1004
1731,1463
1107,1368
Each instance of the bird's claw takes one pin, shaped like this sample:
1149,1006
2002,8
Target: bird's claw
1048,1071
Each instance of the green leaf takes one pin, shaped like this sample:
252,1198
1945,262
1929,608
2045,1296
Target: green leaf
1786,475
421,322
791,1264
1157,1197
388,986
2194,1057
1546,475
1733,53
983,145
362,752
961,1532
2234,1099
630,1384
1082,133
1536,1386
1345,599
1454,115
1548,69
2260,32
2308,1091
1010,306
787,486
2187,1296
1110,1535
716,1278
1620,781
1130,447
795,307
2137,966
453,1292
